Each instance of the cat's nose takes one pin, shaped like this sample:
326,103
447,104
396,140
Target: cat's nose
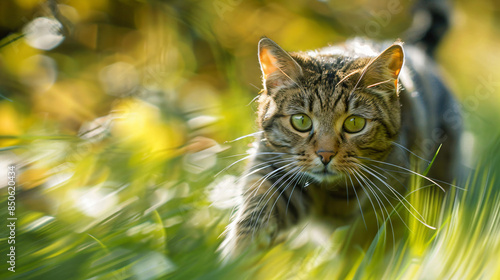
325,156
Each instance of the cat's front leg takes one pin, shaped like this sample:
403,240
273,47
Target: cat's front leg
257,222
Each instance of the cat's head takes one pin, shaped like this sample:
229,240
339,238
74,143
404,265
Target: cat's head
326,111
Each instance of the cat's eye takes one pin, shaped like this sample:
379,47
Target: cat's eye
354,124
301,122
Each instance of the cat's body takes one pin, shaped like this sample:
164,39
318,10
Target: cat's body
338,125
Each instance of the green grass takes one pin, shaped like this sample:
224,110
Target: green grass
140,200
122,215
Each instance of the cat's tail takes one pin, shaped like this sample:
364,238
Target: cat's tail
431,21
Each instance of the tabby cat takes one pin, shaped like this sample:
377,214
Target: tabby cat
339,126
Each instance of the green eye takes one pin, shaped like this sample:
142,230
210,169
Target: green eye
301,122
354,124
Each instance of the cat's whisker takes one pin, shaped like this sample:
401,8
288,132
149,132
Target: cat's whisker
359,80
368,196
402,201
255,154
396,194
384,195
256,97
367,184
379,83
357,197
403,197
232,164
406,169
268,191
302,175
302,89
408,150
375,196
254,192
411,172
265,177
263,166
346,77
419,189
366,166
380,175
381,203
247,157
290,180
346,189
276,189
266,165
244,136
272,153
382,169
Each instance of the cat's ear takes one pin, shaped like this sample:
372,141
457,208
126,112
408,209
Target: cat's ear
278,67
383,71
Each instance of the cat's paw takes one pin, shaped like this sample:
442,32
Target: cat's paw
242,237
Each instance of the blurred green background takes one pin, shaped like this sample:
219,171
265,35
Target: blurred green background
119,114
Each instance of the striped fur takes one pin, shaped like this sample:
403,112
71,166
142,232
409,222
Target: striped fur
403,107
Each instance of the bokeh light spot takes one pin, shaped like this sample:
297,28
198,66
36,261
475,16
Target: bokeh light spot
43,33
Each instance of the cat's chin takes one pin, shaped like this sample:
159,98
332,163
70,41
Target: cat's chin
326,177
